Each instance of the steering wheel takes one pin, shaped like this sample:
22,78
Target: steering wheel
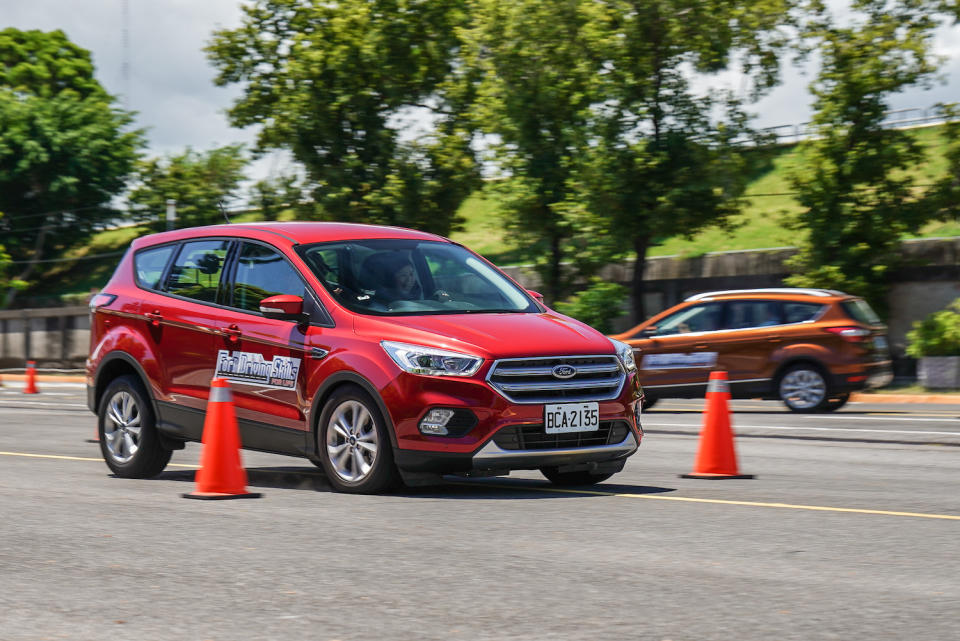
440,295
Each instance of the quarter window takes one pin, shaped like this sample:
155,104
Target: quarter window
263,272
197,270
149,265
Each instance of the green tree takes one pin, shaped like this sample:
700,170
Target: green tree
198,181
857,202
338,84
65,148
605,145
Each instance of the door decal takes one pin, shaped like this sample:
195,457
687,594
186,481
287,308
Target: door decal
679,361
252,369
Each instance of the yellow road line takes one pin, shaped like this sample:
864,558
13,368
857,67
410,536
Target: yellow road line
686,499
76,458
628,495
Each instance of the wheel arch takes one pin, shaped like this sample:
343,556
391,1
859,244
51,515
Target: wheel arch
113,366
328,388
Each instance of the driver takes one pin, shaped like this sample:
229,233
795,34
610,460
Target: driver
400,279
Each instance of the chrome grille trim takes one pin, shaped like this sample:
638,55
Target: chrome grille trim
592,378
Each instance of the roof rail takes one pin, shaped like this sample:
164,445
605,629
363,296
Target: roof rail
775,290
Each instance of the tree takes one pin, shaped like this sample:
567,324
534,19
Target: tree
857,202
65,148
337,84
605,144
198,181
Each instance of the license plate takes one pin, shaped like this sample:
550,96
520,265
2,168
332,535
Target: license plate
571,417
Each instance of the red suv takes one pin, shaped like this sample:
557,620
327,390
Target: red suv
380,354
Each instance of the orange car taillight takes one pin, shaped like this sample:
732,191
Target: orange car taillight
849,334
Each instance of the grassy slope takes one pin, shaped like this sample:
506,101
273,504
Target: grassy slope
761,225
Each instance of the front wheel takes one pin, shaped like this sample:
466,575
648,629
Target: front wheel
564,479
354,445
129,440
803,388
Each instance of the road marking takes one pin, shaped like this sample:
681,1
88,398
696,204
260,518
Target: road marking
686,499
800,428
79,458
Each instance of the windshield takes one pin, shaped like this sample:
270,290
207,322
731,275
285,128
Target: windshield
412,277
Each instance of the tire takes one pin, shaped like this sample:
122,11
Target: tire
353,444
566,479
836,402
127,429
804,388
648,402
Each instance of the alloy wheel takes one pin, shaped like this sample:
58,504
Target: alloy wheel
352,441
122,429
803,389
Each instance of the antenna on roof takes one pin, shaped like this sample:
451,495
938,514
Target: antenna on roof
223,211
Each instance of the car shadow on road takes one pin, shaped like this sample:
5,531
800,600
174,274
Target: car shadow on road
451,487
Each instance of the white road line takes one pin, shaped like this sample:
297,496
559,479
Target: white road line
817,429
903,419
28,404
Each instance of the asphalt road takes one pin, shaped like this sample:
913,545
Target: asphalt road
851,530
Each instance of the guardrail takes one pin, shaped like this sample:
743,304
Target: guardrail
54,337
902,119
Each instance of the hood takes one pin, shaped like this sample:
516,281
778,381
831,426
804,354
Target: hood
490,335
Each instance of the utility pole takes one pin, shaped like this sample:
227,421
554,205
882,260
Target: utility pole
171,213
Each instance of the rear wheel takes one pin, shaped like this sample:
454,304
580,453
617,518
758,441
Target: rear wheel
573,478
354,445
803,388
129,440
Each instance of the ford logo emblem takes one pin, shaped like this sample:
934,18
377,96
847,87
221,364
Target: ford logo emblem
564,371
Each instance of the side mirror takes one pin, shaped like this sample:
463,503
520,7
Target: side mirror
536,295
648,332
283,307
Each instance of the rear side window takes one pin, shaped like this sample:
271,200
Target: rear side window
860,311
197,270
263,272
149,265
752,313
800,312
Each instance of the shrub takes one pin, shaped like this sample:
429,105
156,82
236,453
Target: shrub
936,335
597,305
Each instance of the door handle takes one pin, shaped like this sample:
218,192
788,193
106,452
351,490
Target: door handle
701,346
154,317
233,333
775,339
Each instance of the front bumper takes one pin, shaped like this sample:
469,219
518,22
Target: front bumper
492,458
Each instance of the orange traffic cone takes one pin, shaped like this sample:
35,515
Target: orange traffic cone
31,387
221,475
716,458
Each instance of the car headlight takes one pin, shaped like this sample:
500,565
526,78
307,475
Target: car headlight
625,354
431,361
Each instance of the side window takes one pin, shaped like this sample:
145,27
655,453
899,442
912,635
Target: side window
196,272
149,265
263,272
752,313
800,312
699,318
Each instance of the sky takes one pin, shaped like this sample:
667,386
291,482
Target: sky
171,82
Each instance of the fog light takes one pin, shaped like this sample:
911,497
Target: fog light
435,422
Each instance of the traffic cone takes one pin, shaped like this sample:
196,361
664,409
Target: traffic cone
221,475
716,458
31,386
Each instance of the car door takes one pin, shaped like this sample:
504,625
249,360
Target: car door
181,317
677,352
263,358
751,332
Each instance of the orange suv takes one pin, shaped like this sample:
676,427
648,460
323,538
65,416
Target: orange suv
807,347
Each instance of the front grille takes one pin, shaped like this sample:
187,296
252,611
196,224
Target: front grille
531,380
533,437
